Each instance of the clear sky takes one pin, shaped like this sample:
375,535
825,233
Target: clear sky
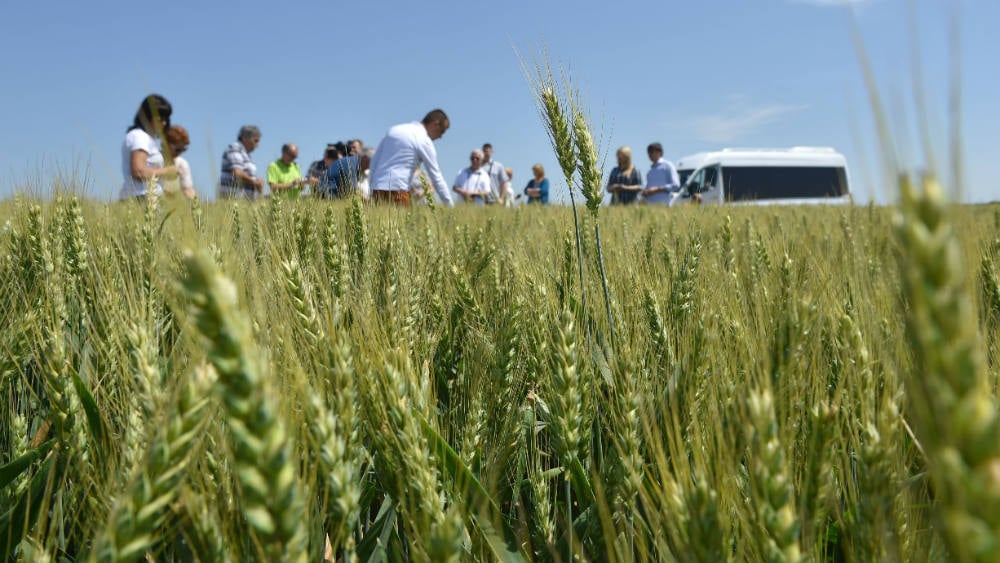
693,75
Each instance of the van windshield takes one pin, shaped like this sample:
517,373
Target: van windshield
684,174
783,182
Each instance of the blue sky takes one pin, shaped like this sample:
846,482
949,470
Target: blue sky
693,75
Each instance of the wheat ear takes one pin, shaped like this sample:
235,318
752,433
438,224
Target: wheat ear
261,447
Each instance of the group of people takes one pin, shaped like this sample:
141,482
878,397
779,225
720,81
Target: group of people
145,167
389,174
625,181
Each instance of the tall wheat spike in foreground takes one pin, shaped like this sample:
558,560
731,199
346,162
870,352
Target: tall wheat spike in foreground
952,405
267,477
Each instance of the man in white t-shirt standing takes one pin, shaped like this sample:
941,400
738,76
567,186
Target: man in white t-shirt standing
473,183
500,188
401,152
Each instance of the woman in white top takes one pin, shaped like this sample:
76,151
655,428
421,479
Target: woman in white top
142,161
177,141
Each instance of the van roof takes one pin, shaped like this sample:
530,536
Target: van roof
792,156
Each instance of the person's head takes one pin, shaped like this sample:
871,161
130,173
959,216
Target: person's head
330,154
487,152
153,115
341,147
624,155
249,135
655,151
354,147
289,153
436,123
538,170
510,172
177,139
475,159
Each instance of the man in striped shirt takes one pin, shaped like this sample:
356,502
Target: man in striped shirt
239,173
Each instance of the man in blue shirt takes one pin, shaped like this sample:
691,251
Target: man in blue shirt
343,175
317,170
662,179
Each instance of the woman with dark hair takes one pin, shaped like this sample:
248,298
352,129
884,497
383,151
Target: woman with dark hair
143,165
177,140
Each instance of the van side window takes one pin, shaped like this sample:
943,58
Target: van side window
783,182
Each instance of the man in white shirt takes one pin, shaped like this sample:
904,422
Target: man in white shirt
662,179
399,154
473,183
499,179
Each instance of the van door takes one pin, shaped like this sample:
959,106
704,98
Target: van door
711,186
705,184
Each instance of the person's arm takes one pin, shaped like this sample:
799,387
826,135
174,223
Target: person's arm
673,179
279,186
614,181
484,186
650,190
635,182
543,190
460,182
313,175
671,183
140,171
504,185
244,177
240,175
426,153
184,175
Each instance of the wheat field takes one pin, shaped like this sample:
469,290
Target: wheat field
308,381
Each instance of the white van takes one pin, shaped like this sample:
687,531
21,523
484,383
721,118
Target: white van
793,176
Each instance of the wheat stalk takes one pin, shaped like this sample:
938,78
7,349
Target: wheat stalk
268,482
770,483
140,512
952,406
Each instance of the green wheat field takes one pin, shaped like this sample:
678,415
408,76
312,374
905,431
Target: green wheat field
305,381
